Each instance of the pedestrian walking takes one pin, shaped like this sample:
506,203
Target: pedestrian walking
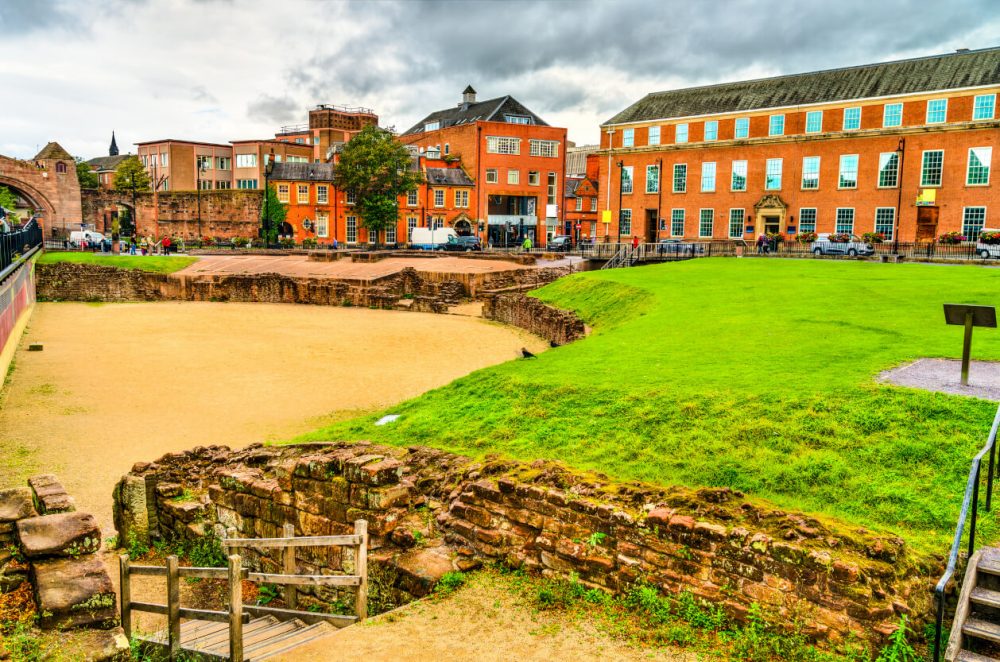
527,244
635,243
761,244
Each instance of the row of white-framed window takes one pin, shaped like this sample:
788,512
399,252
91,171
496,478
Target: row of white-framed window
983,108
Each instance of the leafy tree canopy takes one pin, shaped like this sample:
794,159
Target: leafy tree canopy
273,213
87,177
131,173
7,198
375,167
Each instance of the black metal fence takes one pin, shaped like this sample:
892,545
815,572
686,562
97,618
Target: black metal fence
18,242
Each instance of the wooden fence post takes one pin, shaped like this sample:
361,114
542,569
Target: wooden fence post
288,568
361,567
126,591
235,609
173,608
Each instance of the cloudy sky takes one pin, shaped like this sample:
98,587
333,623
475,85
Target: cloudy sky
221,70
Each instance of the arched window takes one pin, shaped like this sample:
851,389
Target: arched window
60,167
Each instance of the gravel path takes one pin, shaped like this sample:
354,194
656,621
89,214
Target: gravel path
944,376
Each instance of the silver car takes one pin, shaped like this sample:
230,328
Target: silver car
854,247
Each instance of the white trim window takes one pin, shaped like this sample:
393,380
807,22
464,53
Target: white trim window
738,181
885,221
411,222
503,145
533,179
973,221
579,204
165,159
807,219
351,198
551,188
706,222
680,178
776,125
322,194
352,230
711,130
652,179
628,137
411,198
654,136
593,204
625,222
243,161
852,118
517,119
708,177
978,171
492,176
302,194
810,173
283,193
931,167
676,222
772,175
741,128
680,133
814,121
892,115
888,170
390,234
432,126
626,179
845,220
322,224
937,111
513,176
848,177
737,217
547,148
462,198
983,106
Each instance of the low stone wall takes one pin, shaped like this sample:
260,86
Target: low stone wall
50,547
430,512
559,327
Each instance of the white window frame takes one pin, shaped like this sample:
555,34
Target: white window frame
284,193
390,234
673,182
988,166
923,168
701,223
743,219
411,198
836,220
625,222
745,123
813,223
579,203
593,204
503,145
626,181
812,114
653,136
299,198
411,222
709,173
628,137
713,135
533,178
351,230
893,119
513,176
674,214
968,231
883,160
543,148
840,171
892,221
847,113
462,198
350,198
770,172
439,197
681,132
653,183
492,176
246,160
944,111
322,224
976,106
733,173
815,180
776,119
322,194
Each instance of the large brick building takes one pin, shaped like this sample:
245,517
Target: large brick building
900,147
187,165
515,159
329,125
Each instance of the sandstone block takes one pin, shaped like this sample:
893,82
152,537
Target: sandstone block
131,516
95,645
62,534
73,592
16,503
373,470
50,496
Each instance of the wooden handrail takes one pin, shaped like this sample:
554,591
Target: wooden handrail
314,541
304,580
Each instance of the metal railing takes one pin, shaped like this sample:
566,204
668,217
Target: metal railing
18,243
971,498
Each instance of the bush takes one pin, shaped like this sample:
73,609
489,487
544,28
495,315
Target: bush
951,238
309,243
806,237
776,237
873,237
287,243
450,582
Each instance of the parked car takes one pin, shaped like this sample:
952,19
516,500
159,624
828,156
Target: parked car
425,239
77,237
679,247
469,243
987,250
560,243
853,247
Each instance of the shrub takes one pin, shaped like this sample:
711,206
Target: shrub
951,238
287,243
873,237
450,582
806,237
776,237
309,243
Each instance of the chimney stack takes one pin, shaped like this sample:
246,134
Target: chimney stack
468,95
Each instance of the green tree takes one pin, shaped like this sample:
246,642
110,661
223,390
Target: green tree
7,198
86,176
131,176
272,213
375,167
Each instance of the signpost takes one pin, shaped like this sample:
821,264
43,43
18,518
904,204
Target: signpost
969,316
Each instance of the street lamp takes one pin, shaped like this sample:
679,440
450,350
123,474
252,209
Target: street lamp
201,170
900,149
268,169
621,184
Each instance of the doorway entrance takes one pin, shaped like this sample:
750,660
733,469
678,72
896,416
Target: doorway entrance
927,223
650,226
772,224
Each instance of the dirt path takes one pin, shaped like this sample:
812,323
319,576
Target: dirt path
120,383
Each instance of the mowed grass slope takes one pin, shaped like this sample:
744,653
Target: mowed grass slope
163,264
752,374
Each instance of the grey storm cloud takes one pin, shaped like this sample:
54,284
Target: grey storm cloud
274,109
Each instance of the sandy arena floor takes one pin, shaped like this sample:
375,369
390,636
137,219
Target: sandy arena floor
120,383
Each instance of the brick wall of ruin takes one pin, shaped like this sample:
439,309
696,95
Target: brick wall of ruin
559,327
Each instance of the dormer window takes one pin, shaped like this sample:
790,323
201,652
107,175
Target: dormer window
432,126
60,167
517,119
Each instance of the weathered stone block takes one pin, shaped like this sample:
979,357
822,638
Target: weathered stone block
16,503
62,534
131,515
94,645
50,496
73,592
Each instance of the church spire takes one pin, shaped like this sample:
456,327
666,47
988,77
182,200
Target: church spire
113,150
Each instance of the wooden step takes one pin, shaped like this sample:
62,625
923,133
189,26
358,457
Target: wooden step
210,641
986,597
989,561
977,627
969,656
307,634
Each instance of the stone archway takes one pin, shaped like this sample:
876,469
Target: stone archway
770,214
49,183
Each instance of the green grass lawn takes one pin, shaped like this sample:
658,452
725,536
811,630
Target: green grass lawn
156,263
751,374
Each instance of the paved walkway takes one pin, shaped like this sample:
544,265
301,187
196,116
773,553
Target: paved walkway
944,376
301,266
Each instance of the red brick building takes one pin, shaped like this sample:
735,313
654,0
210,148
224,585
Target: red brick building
845,150
106,166
581,201
187,165
515,159
329,125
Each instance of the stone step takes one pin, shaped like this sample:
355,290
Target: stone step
985,597
62,534
969,656
16,503
50,495
989,561
73,592
977,627
288,642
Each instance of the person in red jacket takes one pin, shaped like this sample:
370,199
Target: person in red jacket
166,245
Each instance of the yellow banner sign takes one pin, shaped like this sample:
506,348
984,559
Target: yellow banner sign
606,216
927,197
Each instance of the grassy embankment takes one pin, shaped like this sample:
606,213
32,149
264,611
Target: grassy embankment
752,374
162,264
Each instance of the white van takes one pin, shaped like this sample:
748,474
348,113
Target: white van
92,237
425,239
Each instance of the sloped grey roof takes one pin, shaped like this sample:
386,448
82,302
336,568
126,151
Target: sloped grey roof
571,185
107,162
303,172
491,110
923,74
447,177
